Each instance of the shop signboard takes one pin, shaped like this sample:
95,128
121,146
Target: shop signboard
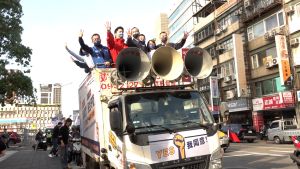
276,101
238,105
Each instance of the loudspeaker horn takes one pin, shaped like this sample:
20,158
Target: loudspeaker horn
132,64
198,63
167,63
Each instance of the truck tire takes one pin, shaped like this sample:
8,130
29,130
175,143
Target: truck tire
277,140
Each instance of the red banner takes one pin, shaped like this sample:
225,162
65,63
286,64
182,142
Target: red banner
276,101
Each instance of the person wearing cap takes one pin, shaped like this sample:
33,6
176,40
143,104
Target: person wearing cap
55,135
3,142
64,140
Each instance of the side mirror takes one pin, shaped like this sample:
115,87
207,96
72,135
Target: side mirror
130,128
216,126
115,118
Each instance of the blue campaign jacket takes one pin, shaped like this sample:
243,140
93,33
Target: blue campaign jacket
101,55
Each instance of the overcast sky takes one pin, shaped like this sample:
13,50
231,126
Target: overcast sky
49,24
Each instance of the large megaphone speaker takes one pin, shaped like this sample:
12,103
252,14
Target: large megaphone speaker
167,63
132,64
198,63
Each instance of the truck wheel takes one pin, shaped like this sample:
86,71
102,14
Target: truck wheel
277,140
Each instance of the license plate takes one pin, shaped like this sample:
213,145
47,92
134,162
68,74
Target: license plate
249,131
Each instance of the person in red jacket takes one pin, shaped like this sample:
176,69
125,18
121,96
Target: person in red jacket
115,43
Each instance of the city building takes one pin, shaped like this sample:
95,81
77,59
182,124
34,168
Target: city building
49,94
20,117
249,43
292,10
181,20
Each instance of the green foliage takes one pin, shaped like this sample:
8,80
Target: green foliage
13,84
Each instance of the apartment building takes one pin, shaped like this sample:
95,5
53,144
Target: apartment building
249,42
19,117
181,20
50,94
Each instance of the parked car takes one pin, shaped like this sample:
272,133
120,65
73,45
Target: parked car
224,140
243,131
14,137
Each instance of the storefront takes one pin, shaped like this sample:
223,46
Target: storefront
272,107
239,111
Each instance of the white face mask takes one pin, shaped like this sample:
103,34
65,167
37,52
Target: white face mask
121,35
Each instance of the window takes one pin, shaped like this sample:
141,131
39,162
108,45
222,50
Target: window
280,19
268,87
258,29
271,23
271,52
258,89
250,33
274,125
254,61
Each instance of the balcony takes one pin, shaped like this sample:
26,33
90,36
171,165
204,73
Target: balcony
258,8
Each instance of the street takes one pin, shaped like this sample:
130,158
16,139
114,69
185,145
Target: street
259,155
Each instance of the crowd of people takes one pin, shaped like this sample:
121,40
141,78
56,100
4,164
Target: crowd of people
100,56
60,141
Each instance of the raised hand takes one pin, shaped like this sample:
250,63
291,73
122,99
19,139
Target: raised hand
108,25
185,34
128,32
81,33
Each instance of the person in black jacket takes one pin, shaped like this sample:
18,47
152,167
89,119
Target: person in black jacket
133,39
164,41
64,140
55,135
100,54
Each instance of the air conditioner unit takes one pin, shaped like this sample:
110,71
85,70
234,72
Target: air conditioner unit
267,36
247,4
269,64
274,61
218,31
224,29
227,79
294,42
220,47
290,10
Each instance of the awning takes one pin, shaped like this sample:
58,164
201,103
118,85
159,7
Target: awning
13,120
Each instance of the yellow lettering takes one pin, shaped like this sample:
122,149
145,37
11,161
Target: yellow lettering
172,150
158,153
165,152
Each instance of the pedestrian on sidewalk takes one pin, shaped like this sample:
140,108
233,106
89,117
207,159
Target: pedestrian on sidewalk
64,141
38,139
55,135
5,133
3,141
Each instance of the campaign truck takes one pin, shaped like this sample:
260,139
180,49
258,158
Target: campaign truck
147,113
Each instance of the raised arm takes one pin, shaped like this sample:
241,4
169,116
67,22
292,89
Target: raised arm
182,42
83,45
110,36
79,58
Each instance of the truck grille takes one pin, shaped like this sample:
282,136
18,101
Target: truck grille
193,163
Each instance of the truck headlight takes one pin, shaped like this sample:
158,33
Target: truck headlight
216,159
134,165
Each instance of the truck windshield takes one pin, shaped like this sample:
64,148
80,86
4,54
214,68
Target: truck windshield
168,110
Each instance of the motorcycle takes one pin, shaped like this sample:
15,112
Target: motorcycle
296,155
76,151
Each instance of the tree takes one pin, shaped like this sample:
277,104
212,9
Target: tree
13,83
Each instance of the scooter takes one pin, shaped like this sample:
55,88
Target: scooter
76,150
296,155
